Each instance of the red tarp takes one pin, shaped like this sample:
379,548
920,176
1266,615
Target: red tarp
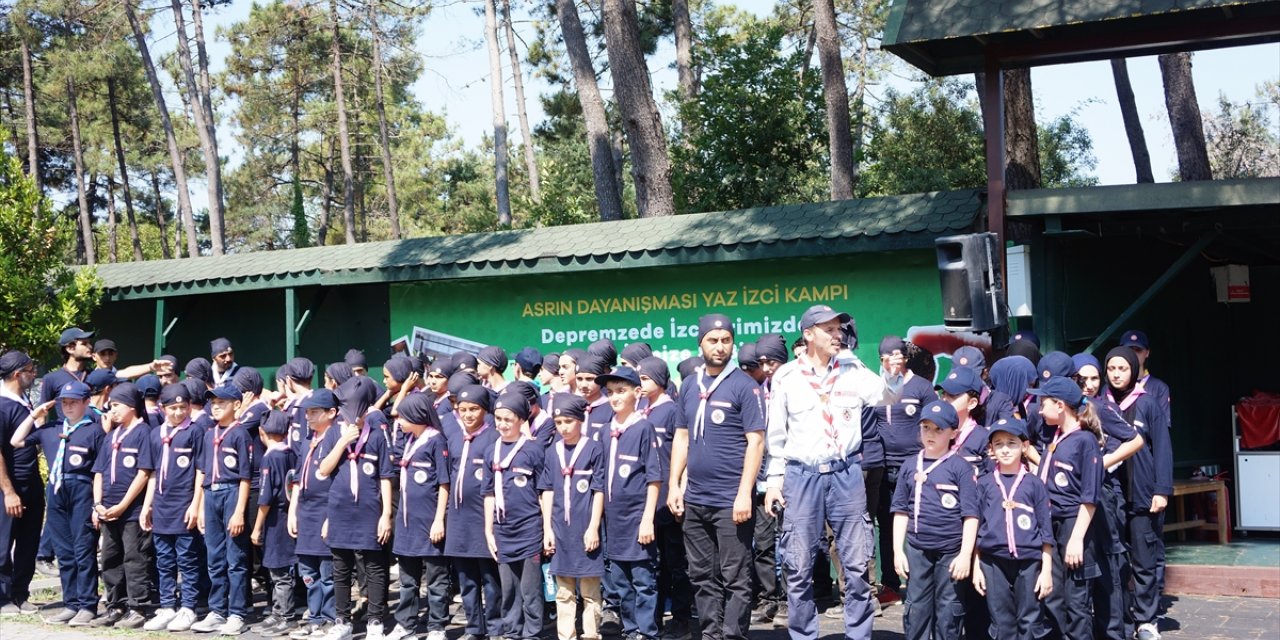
1259,419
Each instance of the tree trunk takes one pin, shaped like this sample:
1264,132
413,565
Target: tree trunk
687,79
1022,164
499,114
650,166
124,169
175,154
584,78
530,157
86,217
160,223
388,171
836,96
860,110
1184,117
326,203
204,129
113,243
344,140
1132,122
809,43
29,105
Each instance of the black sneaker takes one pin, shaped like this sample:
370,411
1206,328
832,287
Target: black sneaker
764,613
132,620
109,618
270,621
676,629
610,624
282,627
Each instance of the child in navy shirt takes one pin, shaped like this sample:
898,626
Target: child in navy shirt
513,518
631,499
359,511
935,525
472,439
962,389
1071,468
224,480
270,528
598,412
419,534
120,472
572,508
309,509
172,511
1014,564
70,447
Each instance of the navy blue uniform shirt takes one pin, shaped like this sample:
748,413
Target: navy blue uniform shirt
716,459
974,446
228,455
1150,470
599,415
22,463
664,416
576,473
464,522
275,477
899,423
353,515
1074,472
177,451
517,526
633,464
948,495
424,468
1030,515
313,492
127,451
82,446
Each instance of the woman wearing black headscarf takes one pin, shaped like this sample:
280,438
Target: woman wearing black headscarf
1149,483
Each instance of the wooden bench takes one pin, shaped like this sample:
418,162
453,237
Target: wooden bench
1180,523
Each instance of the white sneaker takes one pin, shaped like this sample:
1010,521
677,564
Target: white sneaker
435,635
339,631
233,627
1148,631
182,621
211,623
161,620
398,633
373,631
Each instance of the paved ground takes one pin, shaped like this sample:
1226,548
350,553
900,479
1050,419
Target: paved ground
1188,617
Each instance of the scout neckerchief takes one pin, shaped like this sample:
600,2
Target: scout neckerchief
415,443
501,464
166,437
704,394
566,470
969,425
1058,435
922,474
463,460
888,411
586,419
1008,504
316,438
217,445
823,388
353,464
662,399
535,425
1129,400
616,430
117,440
18,398
55,469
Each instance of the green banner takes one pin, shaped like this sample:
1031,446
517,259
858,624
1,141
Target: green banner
885,292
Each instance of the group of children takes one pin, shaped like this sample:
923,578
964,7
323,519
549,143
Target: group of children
1017,513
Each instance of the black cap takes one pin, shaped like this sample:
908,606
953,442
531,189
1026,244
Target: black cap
772,346
747,358
605,349
530,360
712,322
493,356
320,399
275,423
174,393
12,361
620,374
515,403
475,394
105,344
569,406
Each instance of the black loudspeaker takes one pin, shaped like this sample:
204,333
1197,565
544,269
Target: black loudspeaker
972,289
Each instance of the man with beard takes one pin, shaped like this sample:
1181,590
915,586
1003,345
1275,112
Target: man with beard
23,512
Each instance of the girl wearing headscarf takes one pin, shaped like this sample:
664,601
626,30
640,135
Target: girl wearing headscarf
1012,376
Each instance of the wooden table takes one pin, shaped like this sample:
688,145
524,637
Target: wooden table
1180,523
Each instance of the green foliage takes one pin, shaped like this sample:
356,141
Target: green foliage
1242,141
1066,153
927,140
757,135
39,294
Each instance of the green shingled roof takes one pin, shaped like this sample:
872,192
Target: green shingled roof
827,228
947,37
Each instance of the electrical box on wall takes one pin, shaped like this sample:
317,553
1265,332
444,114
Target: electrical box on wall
1018,275
1231,281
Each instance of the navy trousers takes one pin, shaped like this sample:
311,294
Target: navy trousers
75,542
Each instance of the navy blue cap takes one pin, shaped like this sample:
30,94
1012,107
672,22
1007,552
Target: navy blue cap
961,380
275,423
460,380
747,356
1011,426
225,392
71,335
971,357
419,408
655,369
1064,389
1026,335
399,367
530,360
688,366
772,346
520,387
219,345
515,403
12,361
442,367
605,349
196,389
149,385
355,359
301,369
941,414
174,393
889,344
1056,364
127,393
712,322
593,364
569,406
620,374
248,380
475,394
820,313
551,362
493,356
339,371
320,399
1136,339
575,354
199,368
74,390
1082,360
105,344
100,379
463,360
635,352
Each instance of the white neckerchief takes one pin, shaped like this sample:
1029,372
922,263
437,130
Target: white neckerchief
415,443
500,464
616,430
704,394
566,470
922,474
117,439
166,437
465,459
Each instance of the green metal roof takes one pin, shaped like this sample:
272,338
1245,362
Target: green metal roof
948,37
1209,195
826,228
